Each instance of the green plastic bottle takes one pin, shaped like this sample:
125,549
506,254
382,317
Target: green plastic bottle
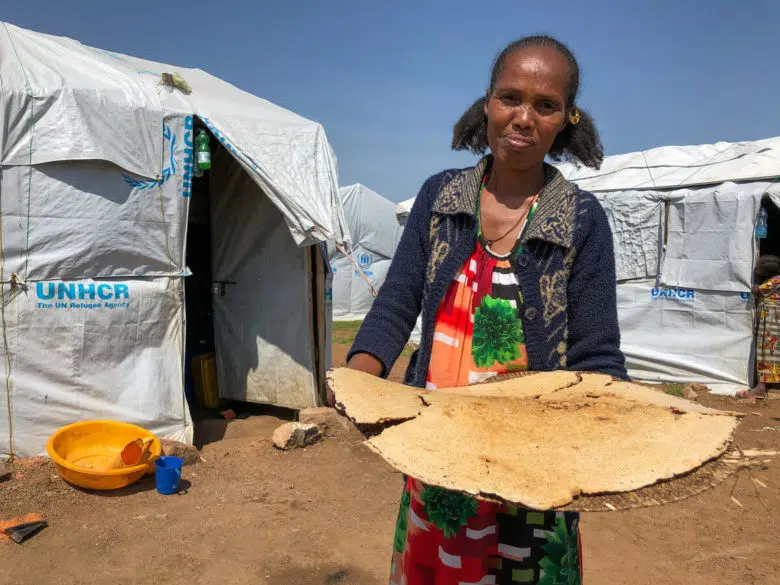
204,154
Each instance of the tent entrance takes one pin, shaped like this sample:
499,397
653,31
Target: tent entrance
198,286
255,299
771,244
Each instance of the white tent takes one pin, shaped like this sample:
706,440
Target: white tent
374,232
101,209
683,222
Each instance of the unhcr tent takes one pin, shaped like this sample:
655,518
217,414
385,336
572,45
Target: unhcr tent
104,218
683,221
374,232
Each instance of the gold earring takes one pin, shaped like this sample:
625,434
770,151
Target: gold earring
574,116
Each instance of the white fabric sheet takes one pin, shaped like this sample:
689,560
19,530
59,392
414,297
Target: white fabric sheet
636,220
711,237
685,335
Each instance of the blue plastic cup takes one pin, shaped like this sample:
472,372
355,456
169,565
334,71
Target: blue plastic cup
168,474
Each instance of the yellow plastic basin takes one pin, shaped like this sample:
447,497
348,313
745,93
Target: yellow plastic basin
84,452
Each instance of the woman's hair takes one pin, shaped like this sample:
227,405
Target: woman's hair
767,267
576,142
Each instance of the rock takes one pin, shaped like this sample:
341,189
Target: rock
293,435
5,472
692,391
324,417
188,453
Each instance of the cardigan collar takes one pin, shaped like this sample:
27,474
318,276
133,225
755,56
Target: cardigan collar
555,215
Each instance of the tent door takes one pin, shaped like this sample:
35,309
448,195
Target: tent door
262,286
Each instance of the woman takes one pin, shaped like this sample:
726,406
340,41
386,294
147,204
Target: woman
513,269
768,326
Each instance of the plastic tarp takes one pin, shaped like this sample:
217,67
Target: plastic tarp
374,232
96,329
403,209
698,326
96,349
62,102
74,102
675,167
710,237
671,334
262,323
636,220
97,165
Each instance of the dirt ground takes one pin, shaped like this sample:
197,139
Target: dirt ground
325,516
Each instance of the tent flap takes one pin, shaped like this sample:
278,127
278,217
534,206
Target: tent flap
63,101
261,319
710,240
636,222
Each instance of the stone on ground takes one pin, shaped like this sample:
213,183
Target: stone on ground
692,391
188,453
294,435
5,472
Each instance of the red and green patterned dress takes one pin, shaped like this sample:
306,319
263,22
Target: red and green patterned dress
768,352
447,538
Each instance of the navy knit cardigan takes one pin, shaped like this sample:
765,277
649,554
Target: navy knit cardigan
566,273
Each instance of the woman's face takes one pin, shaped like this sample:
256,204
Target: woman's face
527,108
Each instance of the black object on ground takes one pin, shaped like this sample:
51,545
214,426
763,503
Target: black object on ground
22,532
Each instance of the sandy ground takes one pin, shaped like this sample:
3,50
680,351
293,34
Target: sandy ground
325,516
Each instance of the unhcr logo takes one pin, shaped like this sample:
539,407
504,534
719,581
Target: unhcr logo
69,295
687,295
186,184
169,139
364,261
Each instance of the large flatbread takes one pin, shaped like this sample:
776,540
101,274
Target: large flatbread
539,441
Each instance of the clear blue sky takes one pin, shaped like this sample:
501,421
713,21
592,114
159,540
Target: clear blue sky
389,79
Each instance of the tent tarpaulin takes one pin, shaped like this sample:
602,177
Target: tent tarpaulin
82,103
675,167
374,232
97,174
676,334
696,323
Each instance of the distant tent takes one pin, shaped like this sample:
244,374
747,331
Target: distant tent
374,232
107,226
683,222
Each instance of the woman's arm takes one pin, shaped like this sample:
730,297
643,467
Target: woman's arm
390,321
594,333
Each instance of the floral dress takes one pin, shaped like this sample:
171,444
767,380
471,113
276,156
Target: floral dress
768,352
447,538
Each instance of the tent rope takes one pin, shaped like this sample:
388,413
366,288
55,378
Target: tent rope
30,95
343,250
14,279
